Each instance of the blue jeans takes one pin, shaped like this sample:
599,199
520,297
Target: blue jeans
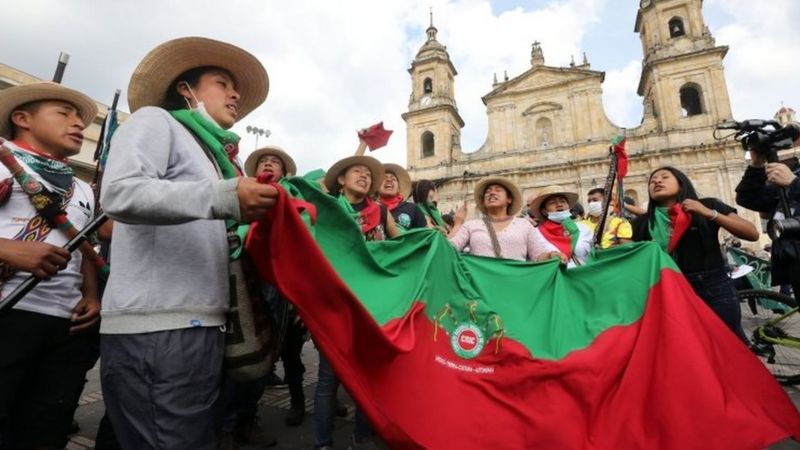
325,408
717,291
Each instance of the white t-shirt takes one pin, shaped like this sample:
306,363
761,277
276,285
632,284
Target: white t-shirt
58,295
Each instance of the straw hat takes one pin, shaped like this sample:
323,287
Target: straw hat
16,96
161,67
375,167
511,188
289,167
403,179
550,191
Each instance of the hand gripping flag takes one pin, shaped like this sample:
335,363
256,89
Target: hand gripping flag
445,351
375,136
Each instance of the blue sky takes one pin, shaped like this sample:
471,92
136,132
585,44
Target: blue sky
337,66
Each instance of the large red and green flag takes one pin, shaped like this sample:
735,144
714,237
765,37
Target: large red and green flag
445,351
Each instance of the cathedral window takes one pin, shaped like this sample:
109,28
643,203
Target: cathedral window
427,86
676,27
691,100
427,144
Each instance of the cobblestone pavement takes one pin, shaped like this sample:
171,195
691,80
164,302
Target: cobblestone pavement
273,407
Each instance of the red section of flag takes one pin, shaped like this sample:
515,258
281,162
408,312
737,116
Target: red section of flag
680,220
375,136
622,159
675,379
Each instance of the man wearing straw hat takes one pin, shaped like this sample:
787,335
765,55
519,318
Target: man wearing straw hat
275,161
393,191
572,240
44,352
171,183
499,234
272,160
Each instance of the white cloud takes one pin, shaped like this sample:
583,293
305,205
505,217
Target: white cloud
623,106
337,66
481,44
763,64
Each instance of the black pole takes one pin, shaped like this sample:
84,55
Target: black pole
63,59
116,100
29,283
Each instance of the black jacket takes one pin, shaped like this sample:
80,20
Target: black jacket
754,193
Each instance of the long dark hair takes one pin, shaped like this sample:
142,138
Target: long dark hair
173,100
685,187
421,191
685,191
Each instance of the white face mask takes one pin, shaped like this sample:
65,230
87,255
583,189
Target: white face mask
559,216
200,108
594,209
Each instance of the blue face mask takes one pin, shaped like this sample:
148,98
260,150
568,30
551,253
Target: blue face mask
559,216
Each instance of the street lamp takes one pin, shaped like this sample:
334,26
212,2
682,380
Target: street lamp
258,132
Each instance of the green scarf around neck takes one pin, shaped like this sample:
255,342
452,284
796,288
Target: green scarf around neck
574,233
218,141
347,206
433,212
214,137
661,227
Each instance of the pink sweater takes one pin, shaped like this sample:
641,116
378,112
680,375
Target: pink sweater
519,240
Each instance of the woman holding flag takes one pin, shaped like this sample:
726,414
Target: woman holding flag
687,227
499,234
573,241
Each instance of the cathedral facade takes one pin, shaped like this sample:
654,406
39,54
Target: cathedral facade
548,125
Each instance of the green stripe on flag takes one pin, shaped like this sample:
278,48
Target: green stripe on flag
548,309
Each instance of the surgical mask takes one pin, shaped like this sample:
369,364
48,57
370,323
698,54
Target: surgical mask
594,208
559,216
200,108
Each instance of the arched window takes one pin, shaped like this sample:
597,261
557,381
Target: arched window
427,144
676,27
631,194
691,100
427,86
544,132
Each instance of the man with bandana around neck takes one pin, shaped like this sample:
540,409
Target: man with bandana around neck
48,340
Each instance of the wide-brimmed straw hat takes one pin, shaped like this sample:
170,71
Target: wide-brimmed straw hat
511,188
547,192
161,67
403,178
375,167
16,96
251,164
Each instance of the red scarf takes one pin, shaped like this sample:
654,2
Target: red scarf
681,220
556,235
368,218
392,202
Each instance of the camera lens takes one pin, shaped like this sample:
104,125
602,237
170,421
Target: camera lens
786,228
